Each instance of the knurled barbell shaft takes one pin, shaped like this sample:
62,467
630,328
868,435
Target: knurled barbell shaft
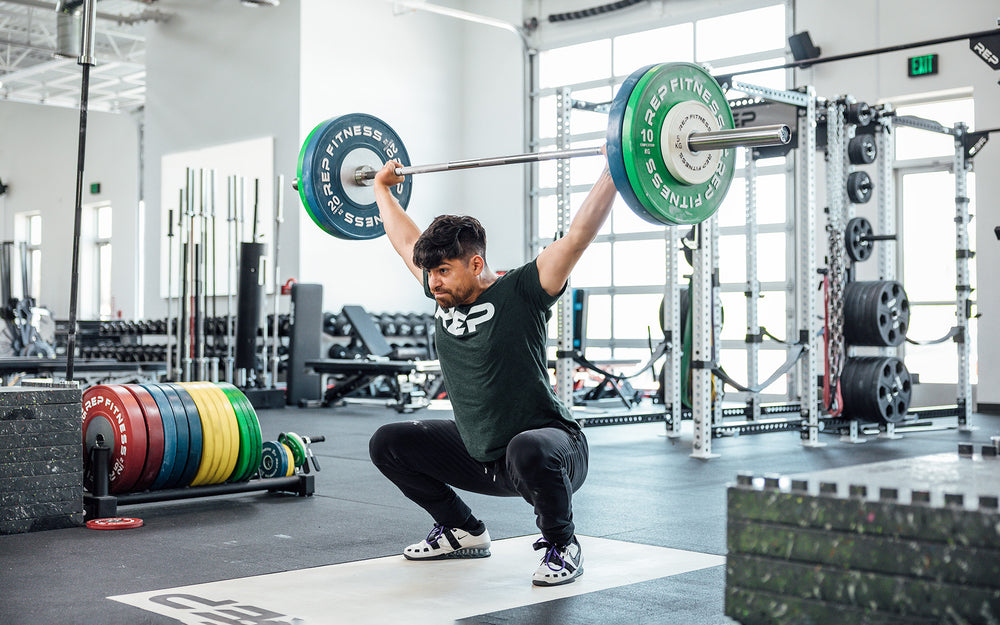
777,134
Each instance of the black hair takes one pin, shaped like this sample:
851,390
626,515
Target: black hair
448,237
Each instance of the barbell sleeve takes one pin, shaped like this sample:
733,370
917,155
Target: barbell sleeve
778,134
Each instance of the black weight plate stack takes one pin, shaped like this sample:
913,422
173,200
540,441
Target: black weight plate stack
857,229
859,187
876,389
876,313
861,150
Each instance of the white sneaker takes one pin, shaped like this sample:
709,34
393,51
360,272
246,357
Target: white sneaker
449,542
560,565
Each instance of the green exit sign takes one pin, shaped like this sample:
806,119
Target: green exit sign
922,65
95,188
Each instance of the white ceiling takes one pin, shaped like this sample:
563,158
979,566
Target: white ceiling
31,72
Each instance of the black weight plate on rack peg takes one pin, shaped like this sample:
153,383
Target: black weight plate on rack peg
331,154
862,150
876,388
857,249
858,113
859,187
876,313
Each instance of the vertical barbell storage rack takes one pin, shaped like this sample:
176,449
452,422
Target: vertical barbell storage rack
564,308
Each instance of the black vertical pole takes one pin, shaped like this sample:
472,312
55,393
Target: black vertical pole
86,60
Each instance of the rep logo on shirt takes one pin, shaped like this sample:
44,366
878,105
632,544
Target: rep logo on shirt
458,323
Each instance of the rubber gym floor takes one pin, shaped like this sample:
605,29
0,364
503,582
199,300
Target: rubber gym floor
643,491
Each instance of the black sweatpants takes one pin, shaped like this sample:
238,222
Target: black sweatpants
425,459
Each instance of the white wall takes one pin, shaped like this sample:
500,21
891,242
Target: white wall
407,70
864,24
220,73
38,154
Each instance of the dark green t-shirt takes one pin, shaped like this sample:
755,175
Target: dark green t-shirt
492,355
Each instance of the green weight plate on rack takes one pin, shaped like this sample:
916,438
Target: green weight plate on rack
651,140
246,454
252,423
296,444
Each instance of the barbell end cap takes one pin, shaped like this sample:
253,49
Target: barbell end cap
365,175
786,135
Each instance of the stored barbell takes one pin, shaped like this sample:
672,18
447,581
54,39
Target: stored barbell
669,147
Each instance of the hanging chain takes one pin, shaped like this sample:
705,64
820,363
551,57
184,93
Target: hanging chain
835,306
837,267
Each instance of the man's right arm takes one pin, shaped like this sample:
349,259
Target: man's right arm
401,230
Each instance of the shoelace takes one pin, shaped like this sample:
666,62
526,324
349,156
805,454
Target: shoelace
435,534
551,554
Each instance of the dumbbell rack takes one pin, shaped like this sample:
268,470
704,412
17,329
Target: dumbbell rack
101,504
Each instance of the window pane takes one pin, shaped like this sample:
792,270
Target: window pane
594,268
915,143
771,199
574,64
733,258
640,263
35,271
637,316
671,44
771,257
548,213
35,230
727,35
580,121
771,313
104,222
733,210
547,216
734,316
105,282
599,317
624,219
928,250
773,79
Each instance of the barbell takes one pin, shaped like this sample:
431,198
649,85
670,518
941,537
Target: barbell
669,148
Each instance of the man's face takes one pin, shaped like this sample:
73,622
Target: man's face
455,281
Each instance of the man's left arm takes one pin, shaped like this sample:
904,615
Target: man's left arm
557,260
